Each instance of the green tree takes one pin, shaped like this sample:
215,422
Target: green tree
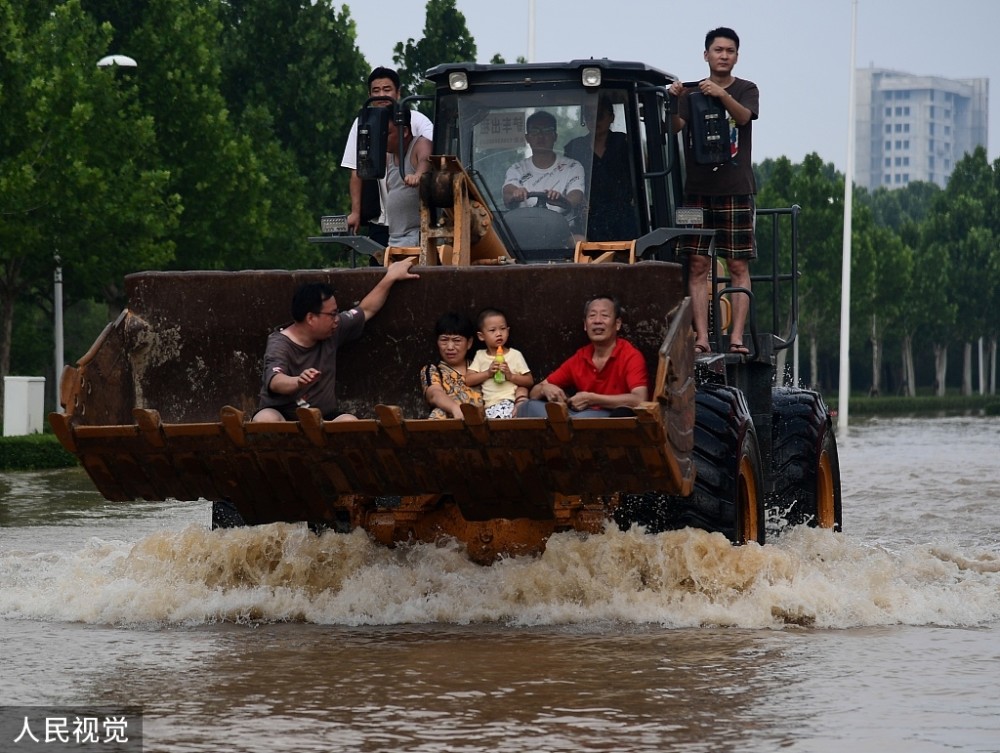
903,211
213,167
891,268
77,162
818,189
291,69
446,40
963,230
243,199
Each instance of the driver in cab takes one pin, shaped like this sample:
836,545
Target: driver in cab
556,179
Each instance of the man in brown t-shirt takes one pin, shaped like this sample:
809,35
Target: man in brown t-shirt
725,192
300,361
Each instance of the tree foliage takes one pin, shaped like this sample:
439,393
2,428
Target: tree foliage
291,71
221,149
446,40
79,176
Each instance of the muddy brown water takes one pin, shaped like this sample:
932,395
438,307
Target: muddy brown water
883,638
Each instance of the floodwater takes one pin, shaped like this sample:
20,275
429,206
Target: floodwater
883,638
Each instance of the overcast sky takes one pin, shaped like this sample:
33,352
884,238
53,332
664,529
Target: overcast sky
797,51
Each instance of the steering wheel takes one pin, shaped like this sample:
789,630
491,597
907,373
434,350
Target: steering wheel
543,200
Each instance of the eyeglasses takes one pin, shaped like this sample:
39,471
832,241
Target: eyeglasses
540,131
335,313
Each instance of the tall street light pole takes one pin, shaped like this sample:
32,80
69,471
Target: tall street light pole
57,308
843,408
109,61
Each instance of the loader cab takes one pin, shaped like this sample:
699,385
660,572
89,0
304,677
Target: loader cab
481,116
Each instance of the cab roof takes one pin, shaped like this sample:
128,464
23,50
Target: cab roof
528,73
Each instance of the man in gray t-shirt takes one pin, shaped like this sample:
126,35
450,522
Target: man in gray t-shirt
300,361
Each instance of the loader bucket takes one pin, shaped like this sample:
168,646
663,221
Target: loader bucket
159,407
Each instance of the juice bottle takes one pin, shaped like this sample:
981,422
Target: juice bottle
498,377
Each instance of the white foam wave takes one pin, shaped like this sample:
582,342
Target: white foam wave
685,578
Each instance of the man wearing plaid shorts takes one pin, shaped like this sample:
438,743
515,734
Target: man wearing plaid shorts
725,192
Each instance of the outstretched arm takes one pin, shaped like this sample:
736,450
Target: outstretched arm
372,303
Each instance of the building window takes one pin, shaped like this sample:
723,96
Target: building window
906,144
906,111
947,130
888,111
906,127
888,146
947,114
886,179
888,128
888,161
906,161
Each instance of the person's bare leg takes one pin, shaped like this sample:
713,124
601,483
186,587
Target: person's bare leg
267,414
698,268
739,276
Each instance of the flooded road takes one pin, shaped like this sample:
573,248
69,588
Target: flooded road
885,637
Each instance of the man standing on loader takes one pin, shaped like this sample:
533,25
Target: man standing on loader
382,82
724,190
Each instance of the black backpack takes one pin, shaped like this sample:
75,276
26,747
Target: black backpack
708,130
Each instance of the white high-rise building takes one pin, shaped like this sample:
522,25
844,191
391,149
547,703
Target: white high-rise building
915,127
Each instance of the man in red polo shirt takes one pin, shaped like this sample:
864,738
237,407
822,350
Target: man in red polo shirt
600,378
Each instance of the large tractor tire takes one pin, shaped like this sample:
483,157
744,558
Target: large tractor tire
225,515
728,495
805,462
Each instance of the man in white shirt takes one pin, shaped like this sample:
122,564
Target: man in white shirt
382,82
560,178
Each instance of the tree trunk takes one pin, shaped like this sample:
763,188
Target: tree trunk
6,330
981,366
940,368
876,388
909,386
992,360
967,369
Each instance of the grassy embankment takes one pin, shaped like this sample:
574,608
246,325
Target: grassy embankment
921,405
33,452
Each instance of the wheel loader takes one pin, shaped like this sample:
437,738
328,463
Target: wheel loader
160,406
